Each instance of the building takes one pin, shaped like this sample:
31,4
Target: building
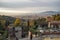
53,33
51,36
55,24
49,18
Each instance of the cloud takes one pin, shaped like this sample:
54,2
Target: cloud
28,9
30,5
8,1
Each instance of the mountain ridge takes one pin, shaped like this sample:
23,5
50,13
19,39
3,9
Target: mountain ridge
45,13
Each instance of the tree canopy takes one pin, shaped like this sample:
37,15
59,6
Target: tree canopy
56,17
17,22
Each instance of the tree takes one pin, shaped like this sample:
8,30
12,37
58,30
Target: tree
43,19
40,20
56,17
3,23
31,23
33,28
1,27
3,32
7,23
17,22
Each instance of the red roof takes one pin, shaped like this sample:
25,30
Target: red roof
55,22
47,33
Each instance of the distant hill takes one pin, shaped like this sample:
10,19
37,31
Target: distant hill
34,15
47,13
40,14
8,18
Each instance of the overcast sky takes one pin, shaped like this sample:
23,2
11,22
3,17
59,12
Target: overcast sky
28,6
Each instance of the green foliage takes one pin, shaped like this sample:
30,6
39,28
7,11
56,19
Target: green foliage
33,30
40,20
1,27
17,22
56,17
37,22
43,19
4,32
8,18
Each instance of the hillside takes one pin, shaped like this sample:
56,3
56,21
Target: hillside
8,18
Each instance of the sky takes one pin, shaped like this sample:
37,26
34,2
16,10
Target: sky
16,7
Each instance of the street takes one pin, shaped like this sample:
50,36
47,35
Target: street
27,39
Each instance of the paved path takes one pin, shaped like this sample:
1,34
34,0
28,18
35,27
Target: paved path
29,39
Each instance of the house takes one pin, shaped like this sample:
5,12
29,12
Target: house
53,33
50,36
55,24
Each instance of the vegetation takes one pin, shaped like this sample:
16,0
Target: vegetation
32,24
17,22
56,17
3,32
7,18
4,22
